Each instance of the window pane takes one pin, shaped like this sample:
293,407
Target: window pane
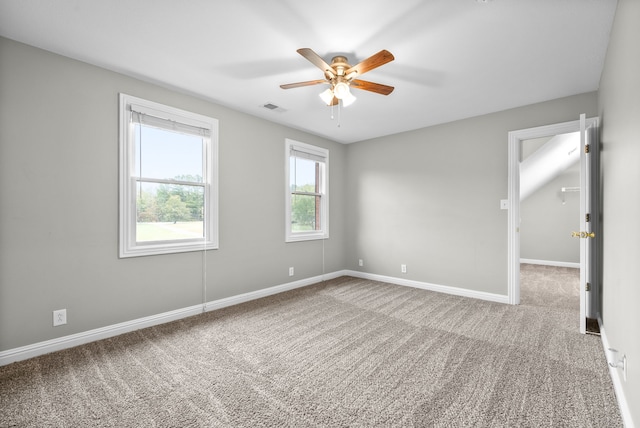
167,155
169,212
305,213
304,175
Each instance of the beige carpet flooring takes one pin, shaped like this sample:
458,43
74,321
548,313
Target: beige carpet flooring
344,353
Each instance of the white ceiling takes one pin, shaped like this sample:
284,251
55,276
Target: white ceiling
453,58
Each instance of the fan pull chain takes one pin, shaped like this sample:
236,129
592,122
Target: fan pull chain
339,113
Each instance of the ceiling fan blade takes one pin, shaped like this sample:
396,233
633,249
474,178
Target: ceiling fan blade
315,59
374,61
301,84
378,88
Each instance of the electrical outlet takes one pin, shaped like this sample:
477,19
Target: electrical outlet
59,317
290,271
403,268
360,262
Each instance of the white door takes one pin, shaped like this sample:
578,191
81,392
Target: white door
589,291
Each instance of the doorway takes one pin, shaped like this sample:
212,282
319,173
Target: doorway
549,211
589,288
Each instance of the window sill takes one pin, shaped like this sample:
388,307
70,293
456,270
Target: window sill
298,237
164,248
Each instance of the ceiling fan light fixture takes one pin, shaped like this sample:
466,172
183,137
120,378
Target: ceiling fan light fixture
341,90
327,96
348,99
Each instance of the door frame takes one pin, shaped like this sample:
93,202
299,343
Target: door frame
514,149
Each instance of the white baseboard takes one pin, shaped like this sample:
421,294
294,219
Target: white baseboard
48,346
550,263
616,378
253,295
500,298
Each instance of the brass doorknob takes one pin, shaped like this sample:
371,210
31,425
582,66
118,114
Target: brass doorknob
583,234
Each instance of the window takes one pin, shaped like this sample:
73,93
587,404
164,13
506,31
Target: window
168,179
307,201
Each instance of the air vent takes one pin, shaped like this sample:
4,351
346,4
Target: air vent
273,107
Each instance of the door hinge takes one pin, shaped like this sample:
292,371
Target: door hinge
587,286
587,148
587,218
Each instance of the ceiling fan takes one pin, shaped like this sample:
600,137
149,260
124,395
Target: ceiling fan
341,76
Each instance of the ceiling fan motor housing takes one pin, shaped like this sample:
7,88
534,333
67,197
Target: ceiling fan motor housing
339,82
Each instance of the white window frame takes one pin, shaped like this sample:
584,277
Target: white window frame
128,247
316,152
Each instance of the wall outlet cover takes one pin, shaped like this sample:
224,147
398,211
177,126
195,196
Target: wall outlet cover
59,317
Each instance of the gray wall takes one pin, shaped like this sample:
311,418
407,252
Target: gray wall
430,198
619,104
546,223
59,204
